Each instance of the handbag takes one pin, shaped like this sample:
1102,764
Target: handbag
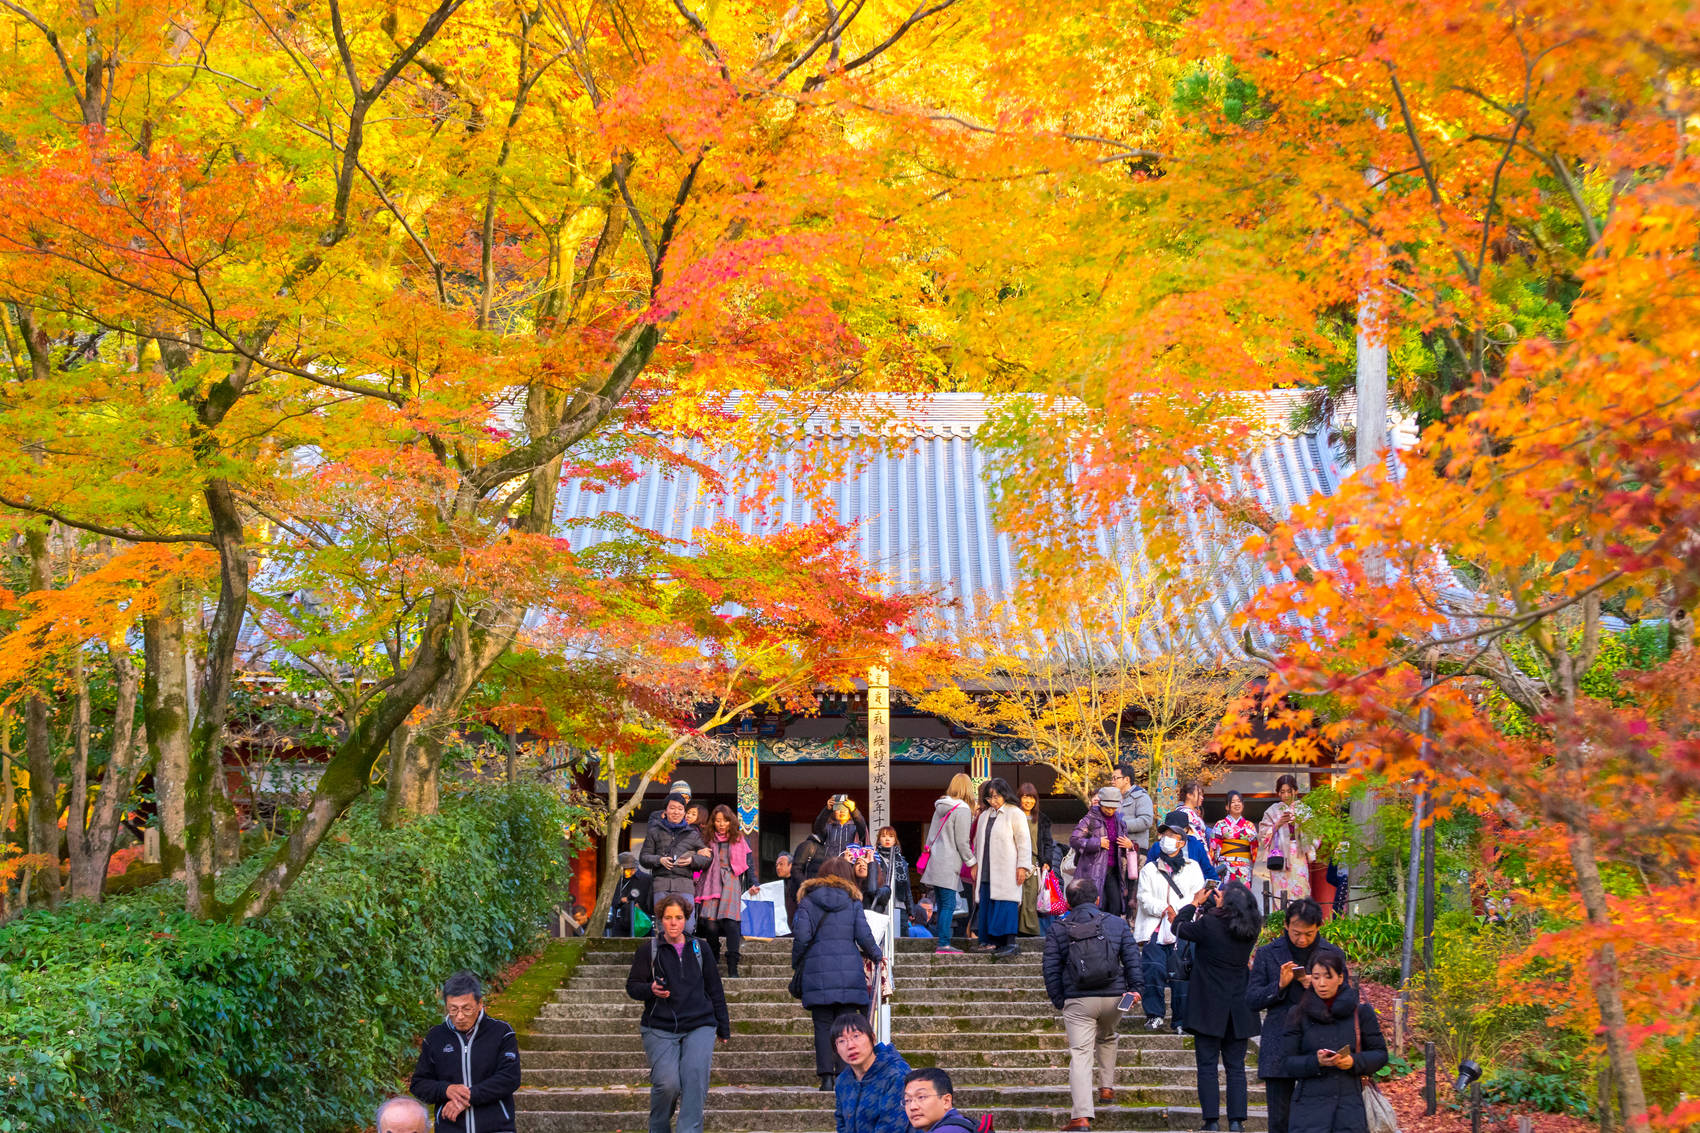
1051,903
927,850
1378,1111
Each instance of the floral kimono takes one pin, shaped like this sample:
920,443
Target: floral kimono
1275,838
1233,843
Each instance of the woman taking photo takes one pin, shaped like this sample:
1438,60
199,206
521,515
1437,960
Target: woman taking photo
948,851
1286,853
830,939
1223,925
684,1009
1005,853
720,886
1332,1042
1233,842
1044,854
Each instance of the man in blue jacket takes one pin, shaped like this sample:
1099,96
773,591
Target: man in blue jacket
869,1090
928,1100
468,1064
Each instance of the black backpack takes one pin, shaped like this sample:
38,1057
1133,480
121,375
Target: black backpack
1091,958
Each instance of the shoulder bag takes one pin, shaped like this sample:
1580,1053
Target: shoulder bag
1180,955
927,850
1378,1111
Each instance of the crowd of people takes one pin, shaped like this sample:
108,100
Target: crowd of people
1136,913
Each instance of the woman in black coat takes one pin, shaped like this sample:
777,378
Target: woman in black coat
1280,972
1333,1042
830,938
1222,926
672,853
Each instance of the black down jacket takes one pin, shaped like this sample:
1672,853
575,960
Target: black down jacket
1326,1100
1059,977
1215,998
1264,993
830,937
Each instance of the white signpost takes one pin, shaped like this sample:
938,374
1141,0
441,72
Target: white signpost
879,749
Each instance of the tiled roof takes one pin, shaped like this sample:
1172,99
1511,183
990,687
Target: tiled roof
924,504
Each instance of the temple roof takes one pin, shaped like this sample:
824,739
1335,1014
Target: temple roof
923,503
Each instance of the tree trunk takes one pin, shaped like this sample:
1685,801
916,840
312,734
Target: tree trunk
415,756
350,769
165,707
91,853
38,755
1608,982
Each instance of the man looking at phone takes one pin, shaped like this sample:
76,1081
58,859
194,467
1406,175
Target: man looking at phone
1277,983
1091,968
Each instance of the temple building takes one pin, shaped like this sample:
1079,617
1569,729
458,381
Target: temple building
924,509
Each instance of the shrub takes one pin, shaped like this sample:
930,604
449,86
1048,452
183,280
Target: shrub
1463,1004
131,1015
1371,942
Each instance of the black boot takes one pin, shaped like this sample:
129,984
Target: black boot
826,1083
1210,1127
732,966
1236,1127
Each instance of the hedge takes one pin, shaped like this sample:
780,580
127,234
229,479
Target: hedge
132,1016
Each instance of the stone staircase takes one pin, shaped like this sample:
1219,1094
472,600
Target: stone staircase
987,1023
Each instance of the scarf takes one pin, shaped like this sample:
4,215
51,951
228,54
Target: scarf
725,850
673,827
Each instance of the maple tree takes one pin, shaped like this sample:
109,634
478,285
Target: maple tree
682,644
461,249
1504,195
1117,664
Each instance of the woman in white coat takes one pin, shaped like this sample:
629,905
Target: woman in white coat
1005,853
949,851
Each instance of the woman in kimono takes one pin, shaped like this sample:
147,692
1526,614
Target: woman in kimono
1282,844
1233,842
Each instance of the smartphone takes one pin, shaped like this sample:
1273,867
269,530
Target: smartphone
1211,884
1127,1001
1326,1053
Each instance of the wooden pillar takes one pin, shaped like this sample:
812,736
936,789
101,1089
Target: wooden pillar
879,749
749,791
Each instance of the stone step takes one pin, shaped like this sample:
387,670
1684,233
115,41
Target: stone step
1134,1043
616,1095
608,945
956,1059
720,1118
1030,963
774,977
1141,1081
993,1009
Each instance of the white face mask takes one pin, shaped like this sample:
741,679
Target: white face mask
1171,845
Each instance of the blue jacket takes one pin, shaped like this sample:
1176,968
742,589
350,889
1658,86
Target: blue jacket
1195,850
831,966
875,1103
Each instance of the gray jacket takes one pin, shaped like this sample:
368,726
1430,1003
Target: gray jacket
1138,817
948,837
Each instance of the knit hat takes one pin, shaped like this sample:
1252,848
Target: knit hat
680,790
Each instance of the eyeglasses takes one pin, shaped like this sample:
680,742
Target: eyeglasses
916,1099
